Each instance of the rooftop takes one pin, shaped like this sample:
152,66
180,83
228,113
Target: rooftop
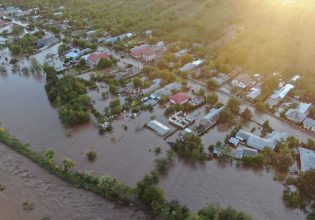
307,158
282,92
260,143
309,122
179,98
158,127
95,57
244,78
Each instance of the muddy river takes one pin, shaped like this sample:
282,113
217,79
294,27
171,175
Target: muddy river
125,154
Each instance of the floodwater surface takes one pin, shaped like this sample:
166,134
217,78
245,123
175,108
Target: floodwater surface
124,154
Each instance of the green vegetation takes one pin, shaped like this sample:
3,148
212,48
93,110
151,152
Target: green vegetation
266,128
68,94
91,155
27,206
163,164
190,147
24,45
247,114
212,99
234,106
104,63
226,117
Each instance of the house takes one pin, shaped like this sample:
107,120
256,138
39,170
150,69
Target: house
181,119
166,90
234,141
242,81
260,143
118,38
181,53
73,54
309,124
307,159
191,66
179,98
46,41
253,93
212,117
158,127
299,113
94,58
279,94
145,52
241,152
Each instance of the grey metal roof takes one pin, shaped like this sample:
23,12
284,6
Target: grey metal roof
307,158
260,143
214,112
158,127
309,122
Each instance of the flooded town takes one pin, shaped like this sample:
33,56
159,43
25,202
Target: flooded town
98,125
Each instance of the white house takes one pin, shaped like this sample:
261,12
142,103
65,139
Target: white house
243,81
299,113
279,94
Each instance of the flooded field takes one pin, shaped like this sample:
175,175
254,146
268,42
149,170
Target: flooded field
24,181
124,154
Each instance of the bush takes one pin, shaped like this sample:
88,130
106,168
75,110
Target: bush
291,199
91,155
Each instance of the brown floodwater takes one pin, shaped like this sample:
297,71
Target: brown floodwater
124,154
24,181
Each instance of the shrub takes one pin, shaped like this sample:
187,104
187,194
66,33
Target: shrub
91,155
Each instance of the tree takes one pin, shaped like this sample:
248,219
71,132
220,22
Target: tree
35,67
212,99
226,117
190,147
186,58
306,184
104,63
49,70
211,84
49,155
91,155
67,164
284,157
62,49
293,142
234,105
174,211
247,114
81,64
137,82
202,92
17,30
266,128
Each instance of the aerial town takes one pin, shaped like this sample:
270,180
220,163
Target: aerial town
137,107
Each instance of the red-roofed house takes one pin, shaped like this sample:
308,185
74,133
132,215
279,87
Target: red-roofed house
145,52
94,58
179,98
2,22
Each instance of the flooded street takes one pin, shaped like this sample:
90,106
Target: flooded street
24,181
124,154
